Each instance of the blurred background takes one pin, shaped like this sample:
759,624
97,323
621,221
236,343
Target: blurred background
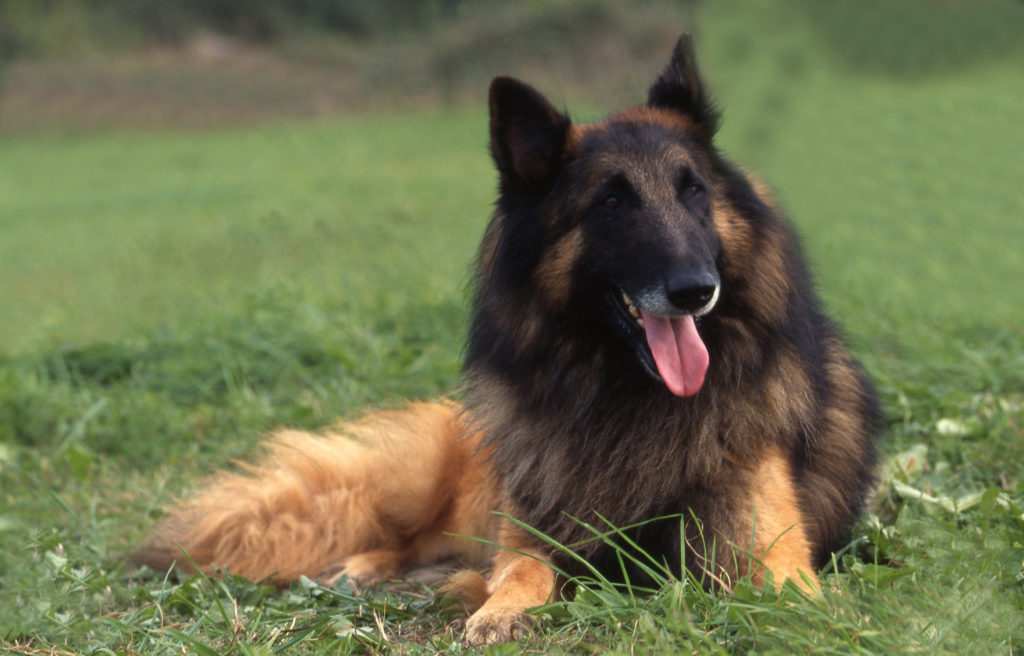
93,63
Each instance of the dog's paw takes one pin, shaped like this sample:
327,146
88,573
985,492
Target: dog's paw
332,575
369,568
363,570
489,626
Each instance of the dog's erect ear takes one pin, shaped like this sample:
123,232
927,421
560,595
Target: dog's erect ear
680,89
528,137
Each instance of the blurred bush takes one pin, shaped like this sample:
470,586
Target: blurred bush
48,27
901,37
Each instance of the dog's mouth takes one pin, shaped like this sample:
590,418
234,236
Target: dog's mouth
668,347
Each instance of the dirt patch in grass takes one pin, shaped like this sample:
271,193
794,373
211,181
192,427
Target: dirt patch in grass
213,80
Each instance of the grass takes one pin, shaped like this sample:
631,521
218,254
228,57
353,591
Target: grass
168,296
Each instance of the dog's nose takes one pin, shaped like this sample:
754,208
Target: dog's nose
691,291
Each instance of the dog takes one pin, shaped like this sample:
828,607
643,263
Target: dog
646,355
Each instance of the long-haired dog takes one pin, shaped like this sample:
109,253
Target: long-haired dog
645,343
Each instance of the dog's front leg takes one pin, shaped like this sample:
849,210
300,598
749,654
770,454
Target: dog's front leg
522,578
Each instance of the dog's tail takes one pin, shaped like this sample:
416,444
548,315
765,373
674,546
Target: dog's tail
370,499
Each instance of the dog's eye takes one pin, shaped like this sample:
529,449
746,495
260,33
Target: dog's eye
612,202
690,186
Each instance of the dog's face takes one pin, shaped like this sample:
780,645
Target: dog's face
645,215
627,211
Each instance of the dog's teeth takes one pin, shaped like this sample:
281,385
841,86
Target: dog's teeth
634,311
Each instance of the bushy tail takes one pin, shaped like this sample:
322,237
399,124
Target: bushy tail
369,498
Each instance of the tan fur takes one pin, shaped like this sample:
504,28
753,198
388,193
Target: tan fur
655,116
554,272
469,586
780,542
327,505
734,233
331,504
764,265
522,578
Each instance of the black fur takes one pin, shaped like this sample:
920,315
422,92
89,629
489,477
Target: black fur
578,426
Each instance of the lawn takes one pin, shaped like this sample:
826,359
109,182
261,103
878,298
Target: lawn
168,296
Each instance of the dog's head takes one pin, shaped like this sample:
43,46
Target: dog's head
621,214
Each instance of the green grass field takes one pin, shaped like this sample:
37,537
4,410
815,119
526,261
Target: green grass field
169,296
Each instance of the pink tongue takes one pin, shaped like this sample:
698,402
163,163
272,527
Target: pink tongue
680,354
